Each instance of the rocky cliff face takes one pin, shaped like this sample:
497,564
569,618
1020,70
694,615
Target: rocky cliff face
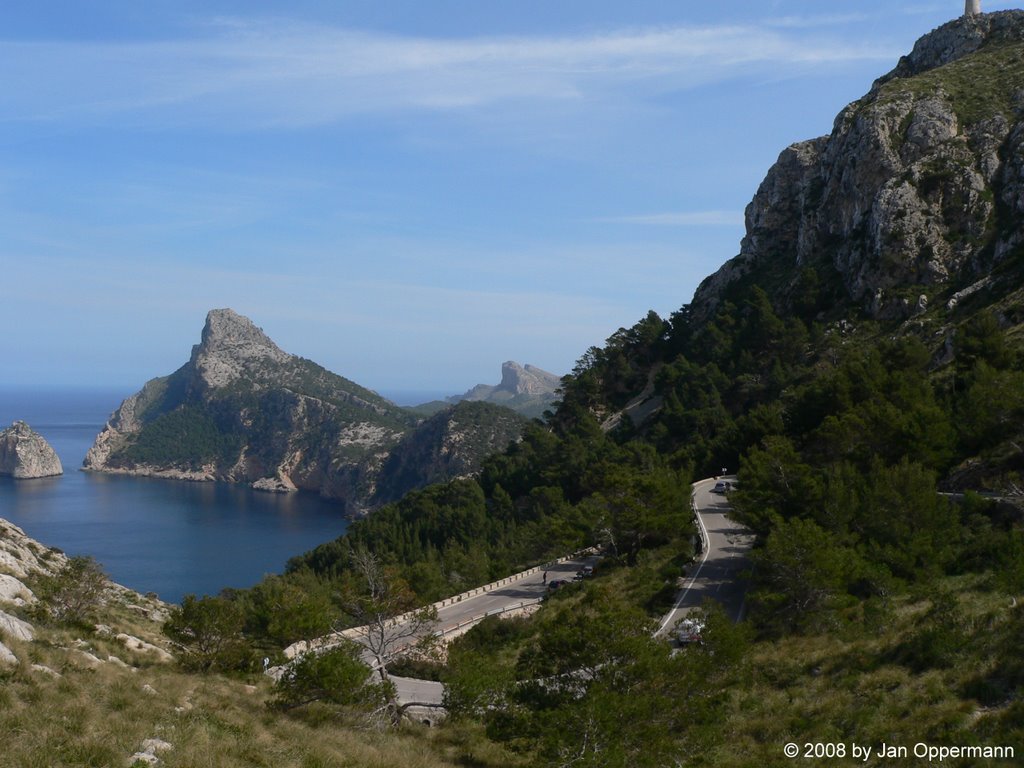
450,444
915,196
24,453
528,390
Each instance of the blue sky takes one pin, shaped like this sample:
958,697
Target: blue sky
409,193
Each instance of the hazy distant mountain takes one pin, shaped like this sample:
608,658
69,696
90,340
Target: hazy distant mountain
527,390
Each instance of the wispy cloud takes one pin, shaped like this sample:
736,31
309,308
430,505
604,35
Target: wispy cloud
258,74
808,22
682,219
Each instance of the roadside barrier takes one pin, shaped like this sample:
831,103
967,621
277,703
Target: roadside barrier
495,612
322,643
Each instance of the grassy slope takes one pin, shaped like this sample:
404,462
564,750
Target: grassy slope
99,715
871,684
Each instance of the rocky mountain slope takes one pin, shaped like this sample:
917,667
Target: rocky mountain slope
448,445
24,453
100,685
242,410
892,247
912,202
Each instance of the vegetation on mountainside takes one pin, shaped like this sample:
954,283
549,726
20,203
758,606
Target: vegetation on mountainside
188,436
448,444
547,495
936,664
841,436
73,594
978,86
881,610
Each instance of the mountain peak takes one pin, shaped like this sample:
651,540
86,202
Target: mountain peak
529,380
229,341
226,329
915,196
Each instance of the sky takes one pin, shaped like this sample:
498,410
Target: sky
408,192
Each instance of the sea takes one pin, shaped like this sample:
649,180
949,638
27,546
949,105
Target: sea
165,536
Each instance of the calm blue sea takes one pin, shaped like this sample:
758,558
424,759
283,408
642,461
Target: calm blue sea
162,536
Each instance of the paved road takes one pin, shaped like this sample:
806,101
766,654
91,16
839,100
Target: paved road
528,589
717,573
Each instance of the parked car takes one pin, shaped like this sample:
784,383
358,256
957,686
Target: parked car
584,573
689,631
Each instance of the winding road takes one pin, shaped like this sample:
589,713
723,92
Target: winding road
717,574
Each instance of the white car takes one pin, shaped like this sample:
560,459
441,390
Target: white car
722,486
689,631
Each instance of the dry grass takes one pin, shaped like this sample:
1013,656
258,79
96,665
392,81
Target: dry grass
865,688
100,714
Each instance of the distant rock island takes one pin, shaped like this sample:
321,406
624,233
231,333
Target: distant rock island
527,390
24,453
242,410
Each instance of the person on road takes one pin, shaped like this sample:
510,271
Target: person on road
545,578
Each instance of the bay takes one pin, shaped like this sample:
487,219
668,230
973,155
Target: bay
164,536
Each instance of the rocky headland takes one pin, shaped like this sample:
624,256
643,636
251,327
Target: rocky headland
242,410
24,453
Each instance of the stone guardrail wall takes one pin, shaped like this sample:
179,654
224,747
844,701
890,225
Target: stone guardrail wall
495,612
704,543
511,579
487,588
323,643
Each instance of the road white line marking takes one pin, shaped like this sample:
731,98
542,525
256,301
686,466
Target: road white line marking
679,600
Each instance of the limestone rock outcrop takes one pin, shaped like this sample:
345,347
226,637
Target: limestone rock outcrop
528,390
915,195
24,453
21,556
12,590
14,628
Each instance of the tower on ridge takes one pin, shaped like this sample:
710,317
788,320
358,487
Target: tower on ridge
972,7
